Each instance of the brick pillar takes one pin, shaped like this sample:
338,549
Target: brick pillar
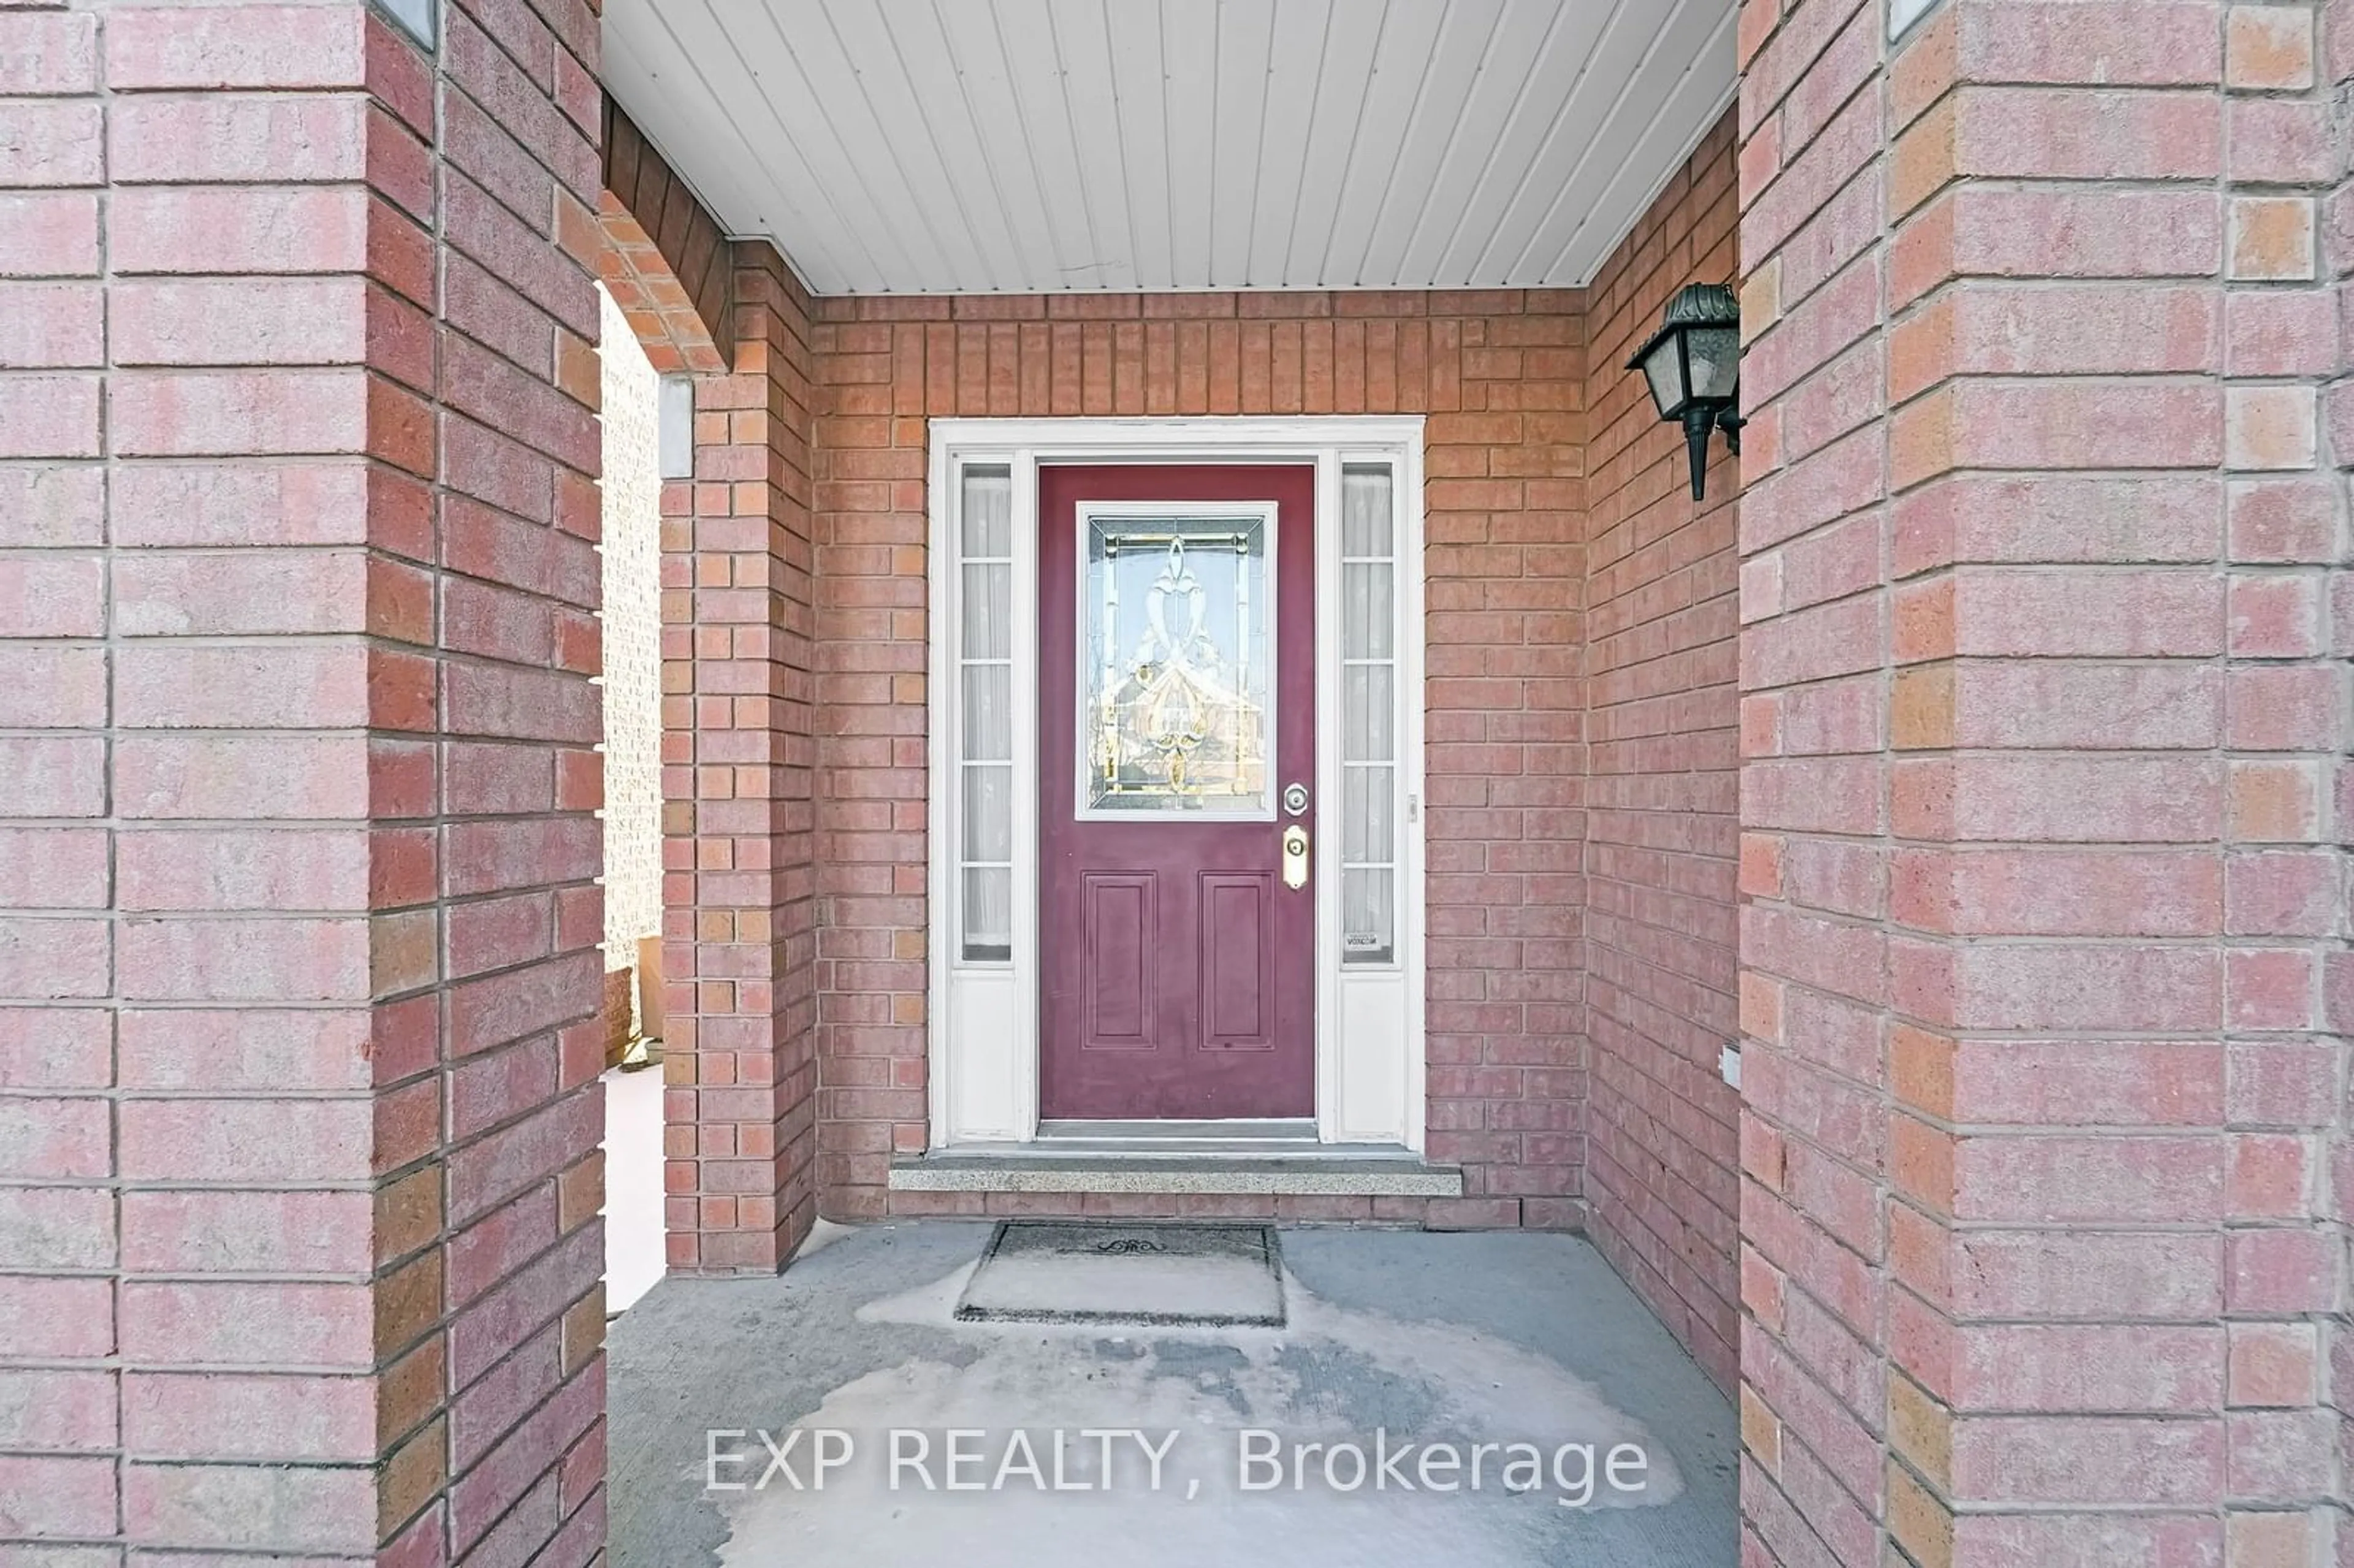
739,896
2314,554
297,1180
2042,1262
739,899
1812,988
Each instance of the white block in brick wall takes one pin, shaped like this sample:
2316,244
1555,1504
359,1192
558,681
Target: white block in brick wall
418,18
1902,13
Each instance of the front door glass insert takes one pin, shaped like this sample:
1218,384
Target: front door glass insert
1177,706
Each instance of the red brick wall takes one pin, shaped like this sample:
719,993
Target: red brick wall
298,932
739,912
739,909
2322,579
1502,376
2044,1252
1662,834
1825,1422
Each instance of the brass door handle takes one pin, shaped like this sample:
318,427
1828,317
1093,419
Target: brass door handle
1295,856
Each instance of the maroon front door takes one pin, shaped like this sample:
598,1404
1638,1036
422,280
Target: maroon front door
1176,711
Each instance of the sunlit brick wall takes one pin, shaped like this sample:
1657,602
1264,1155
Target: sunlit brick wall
2044,722
298,923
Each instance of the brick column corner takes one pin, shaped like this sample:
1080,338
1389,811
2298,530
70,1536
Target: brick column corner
739,900
2044,725
299,1252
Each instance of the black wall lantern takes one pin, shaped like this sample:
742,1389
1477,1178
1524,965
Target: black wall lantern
1693,366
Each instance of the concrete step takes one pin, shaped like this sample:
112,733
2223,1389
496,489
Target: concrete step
1071,1166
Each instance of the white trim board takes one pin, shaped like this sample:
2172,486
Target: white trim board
983,1028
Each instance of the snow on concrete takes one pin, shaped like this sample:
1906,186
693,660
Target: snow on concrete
633,1186
1334,1376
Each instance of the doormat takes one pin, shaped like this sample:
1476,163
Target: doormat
1168,1276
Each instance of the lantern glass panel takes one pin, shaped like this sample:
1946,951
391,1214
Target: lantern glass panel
1716,355
1664,367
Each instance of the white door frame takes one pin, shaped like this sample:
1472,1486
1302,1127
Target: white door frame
983,1016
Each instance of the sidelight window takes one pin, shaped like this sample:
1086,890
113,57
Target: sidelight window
1368,710
985,727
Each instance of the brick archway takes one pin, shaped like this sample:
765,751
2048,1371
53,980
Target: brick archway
739,922
667,264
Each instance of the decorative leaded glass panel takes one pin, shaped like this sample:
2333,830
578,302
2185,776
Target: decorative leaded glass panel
1177,711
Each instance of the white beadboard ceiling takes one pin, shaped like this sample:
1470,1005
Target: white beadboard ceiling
939,146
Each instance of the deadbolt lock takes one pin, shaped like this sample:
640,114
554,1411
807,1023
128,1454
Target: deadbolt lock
1295,856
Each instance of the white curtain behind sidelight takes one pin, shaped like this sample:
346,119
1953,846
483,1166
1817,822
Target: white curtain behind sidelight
1368,715
985,735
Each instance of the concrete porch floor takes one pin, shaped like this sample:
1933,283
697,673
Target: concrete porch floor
1426,1338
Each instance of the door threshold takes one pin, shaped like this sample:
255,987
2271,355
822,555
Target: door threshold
1235,1152
1231,1138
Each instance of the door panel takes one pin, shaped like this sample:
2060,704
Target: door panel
1119,911
1177,682
1238,962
